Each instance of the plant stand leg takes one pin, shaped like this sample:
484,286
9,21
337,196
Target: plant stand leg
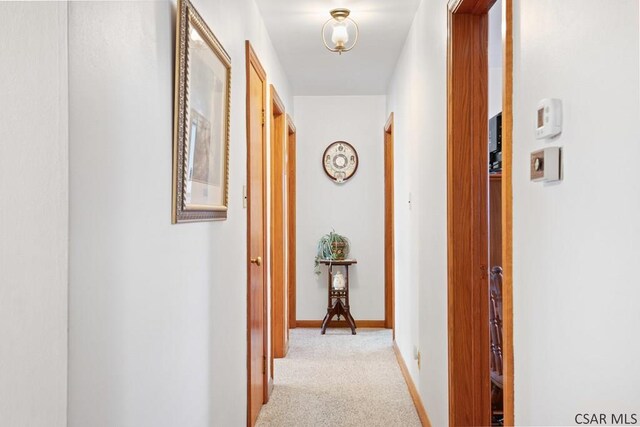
331,311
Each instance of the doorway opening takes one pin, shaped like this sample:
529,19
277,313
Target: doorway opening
468,214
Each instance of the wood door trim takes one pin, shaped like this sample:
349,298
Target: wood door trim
251,60
507,213
413,390
291,205
279,315
389,258
473,7
389,123
276,101
467,217
476,99
291,127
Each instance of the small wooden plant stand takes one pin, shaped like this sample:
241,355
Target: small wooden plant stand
338,299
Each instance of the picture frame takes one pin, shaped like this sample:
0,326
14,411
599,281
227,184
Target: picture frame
201,121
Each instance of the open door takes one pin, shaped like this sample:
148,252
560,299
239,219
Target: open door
257,381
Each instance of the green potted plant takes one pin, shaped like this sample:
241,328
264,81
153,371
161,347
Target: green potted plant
332,246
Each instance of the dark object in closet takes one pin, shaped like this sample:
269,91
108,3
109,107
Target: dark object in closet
495,143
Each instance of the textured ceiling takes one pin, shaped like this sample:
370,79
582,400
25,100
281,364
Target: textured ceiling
294,27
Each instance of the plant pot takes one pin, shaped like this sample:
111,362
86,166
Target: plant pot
337,248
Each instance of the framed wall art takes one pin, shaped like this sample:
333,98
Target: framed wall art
201,129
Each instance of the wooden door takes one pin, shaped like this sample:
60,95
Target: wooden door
389,240
256,244
279,276
291,219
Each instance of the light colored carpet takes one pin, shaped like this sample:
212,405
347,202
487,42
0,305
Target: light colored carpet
339,379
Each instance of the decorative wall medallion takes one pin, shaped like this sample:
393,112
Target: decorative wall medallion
340,161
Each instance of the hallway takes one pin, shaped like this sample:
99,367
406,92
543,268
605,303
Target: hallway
172,172
339,379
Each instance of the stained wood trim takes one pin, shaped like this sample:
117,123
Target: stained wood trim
413,390
475,96
454,5
507,213
467,221
277,259
388,126
278,105
341,324
474,7
291,127
291,205
389,224
252,61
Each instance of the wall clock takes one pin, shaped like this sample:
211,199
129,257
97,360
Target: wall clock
340,161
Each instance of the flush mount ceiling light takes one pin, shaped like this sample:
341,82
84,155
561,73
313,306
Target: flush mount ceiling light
339,30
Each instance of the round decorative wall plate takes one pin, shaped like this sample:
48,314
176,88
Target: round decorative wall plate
340,161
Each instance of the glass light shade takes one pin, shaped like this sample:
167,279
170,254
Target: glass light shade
340,36
340,33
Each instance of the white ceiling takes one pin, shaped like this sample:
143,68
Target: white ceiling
294,27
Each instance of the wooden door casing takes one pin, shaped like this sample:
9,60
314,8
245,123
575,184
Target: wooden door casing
291,219
467,224
507,211
257,381
279,276
469,389
389,239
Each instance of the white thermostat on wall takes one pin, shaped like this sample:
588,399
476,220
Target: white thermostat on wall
548,118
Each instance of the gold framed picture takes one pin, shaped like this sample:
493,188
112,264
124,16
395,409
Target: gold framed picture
201,128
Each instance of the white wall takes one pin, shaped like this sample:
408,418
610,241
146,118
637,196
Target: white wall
576,243
495,59
354,208
157,311
417,96
34,214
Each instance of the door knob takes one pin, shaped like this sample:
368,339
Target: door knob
257,261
